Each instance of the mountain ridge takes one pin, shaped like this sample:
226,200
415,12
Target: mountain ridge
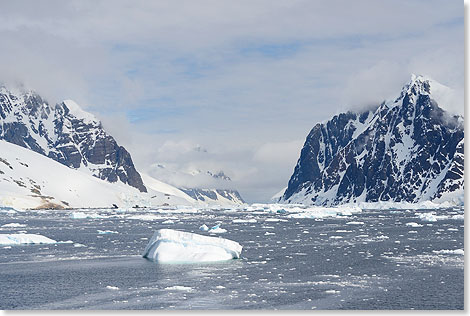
402,150
67,134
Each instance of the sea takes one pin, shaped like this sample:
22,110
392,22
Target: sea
372,260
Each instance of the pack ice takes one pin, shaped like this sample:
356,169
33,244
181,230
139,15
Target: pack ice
172,246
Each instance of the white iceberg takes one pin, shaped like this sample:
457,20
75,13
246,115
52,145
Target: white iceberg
179,288
247,220
172,246
14,225
413,224
106,232
217,230
19,239
81,215
204,228
449,252
431,217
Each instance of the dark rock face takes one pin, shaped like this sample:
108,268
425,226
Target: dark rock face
66,134
407,150
211,194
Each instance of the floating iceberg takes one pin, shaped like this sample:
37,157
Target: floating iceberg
241,220
355,223
81,215
19,239
217,230
14,225
172,246
105,232
413,224
431,217
450,252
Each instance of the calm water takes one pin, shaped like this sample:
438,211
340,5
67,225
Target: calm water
286,264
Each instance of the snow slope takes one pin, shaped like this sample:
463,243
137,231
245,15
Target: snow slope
160,186
31,180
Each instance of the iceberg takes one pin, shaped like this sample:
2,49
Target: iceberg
81,215
449,252
14,225
172,246
241,220
413,224
431,217
217,230
19,239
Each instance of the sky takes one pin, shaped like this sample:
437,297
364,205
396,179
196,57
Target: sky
234,86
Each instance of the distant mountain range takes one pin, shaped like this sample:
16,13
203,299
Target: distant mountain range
407,149
74,138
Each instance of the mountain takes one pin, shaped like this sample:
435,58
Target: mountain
215,196
189,179
69,137
32,180
407,149
66,134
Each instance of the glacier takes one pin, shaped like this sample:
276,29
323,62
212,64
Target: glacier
173,246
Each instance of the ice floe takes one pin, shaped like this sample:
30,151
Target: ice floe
179,288
172,246
247,220
431,217
355,223
217,230
81,215
302,211
450,252
413,224
105,232
13,225
19,239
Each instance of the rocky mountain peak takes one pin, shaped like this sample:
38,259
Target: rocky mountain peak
403,151
65,133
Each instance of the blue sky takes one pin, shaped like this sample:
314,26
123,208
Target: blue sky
246,80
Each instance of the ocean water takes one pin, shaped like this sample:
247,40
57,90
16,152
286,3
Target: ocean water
377,263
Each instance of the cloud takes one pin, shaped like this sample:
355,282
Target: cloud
282,153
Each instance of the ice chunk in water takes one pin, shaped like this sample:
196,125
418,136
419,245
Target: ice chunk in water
18,239
172,246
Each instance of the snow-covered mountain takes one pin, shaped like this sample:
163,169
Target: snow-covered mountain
215,196
32,180
407,149
65,133
189,179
